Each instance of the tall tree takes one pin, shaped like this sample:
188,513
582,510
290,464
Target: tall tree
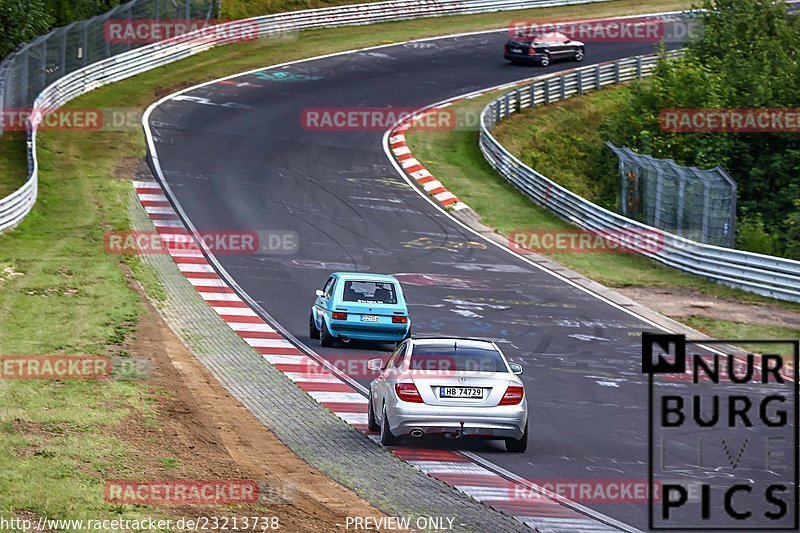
20,21
747,57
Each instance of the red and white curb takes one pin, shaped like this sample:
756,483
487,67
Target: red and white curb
415,169
521,500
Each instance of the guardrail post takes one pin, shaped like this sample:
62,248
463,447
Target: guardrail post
616,72
580,83
597,84
506,105
705,213
639,67
518,105
564,87
681,203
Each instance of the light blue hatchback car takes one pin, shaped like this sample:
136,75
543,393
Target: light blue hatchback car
368,307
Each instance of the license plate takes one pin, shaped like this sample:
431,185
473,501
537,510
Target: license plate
460,392
369,318
516,51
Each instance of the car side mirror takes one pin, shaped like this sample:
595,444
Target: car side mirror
375,365
516,368
319,293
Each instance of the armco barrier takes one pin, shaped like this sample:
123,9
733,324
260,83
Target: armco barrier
762,274
17,205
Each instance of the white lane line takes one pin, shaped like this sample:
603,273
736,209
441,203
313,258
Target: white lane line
338,397
193,267
243,327
305,377
291,360
201,282
451,467
234,311
354,419
268,343
156,210
167,223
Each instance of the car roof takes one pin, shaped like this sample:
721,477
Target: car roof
365,277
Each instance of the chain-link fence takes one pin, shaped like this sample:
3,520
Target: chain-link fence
693,203
37,64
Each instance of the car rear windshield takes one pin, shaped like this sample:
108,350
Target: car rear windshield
369,292
451,357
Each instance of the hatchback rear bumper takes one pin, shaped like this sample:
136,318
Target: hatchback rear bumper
524,58
367,332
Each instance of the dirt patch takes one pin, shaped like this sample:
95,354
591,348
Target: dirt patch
679,302
160,92
198,431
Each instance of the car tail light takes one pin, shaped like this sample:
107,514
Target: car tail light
531,51
408,392
513,395
339,316
399,319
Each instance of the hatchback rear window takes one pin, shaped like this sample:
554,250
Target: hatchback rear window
446,358
369,292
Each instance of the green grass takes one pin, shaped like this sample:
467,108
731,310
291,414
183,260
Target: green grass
239,9
561,140
60,293
455,159
725,329
13,162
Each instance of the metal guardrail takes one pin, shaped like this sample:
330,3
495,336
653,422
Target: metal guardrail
762,274
17,205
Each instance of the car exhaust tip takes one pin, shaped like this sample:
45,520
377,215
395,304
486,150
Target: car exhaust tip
417,433
344,339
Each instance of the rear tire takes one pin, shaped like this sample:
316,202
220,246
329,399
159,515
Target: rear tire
518,446
313,332
325,337
408,336
387,439
545,61
372,426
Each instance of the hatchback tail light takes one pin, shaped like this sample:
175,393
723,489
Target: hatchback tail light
513,395
532,51
339,316
408,392
399,319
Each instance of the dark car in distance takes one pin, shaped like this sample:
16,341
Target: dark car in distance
544,49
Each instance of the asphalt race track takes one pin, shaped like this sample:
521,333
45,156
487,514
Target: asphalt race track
236,157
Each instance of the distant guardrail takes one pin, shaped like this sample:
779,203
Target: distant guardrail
762,274
69,85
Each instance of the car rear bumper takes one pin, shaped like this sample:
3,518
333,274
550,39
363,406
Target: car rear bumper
524,58
366,332
506,421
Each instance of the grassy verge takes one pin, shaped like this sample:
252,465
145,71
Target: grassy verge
455,159
60,293
562,139
239,9
13,162
727,329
